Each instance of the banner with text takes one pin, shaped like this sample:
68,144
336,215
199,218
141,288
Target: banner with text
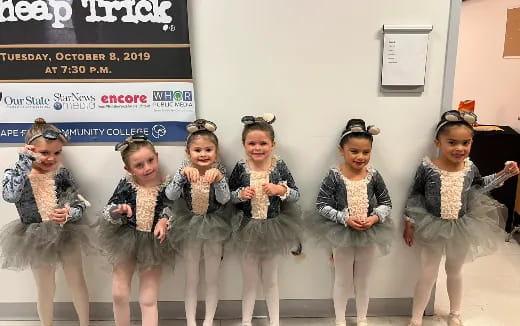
97,68
98,114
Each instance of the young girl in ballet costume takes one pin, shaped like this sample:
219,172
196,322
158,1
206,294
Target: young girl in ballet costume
49,232
353,218
448,212
134,230
264,192
200,223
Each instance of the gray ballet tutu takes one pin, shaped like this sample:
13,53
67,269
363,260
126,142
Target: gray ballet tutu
475,234
268,237
40,244
336,235
121,243
186,226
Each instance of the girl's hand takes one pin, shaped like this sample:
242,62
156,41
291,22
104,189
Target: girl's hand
274,190
191,173
212,175
355,224
60,215
371,220
123,209
511,168
408,233
30,150
247,193
160,229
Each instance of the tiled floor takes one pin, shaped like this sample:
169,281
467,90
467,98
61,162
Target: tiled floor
491,298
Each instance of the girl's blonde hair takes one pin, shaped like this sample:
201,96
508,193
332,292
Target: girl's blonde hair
134,146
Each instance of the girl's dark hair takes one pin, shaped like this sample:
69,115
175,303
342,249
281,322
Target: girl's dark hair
444,124
202,133
354,122
259,125
39,127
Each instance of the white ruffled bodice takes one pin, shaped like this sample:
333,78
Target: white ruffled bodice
260,203
200,197
44,190
357,198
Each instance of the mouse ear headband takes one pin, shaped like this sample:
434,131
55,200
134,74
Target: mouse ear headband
359,128
455,116
201,124
50,135
266,117
136,138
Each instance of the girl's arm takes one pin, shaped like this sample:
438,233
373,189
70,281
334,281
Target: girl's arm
416,192
168,214
174,189
235,185
14,179
325,202
384,204
118,198
76,205
222,193
415,198
479,180
292,193
495,180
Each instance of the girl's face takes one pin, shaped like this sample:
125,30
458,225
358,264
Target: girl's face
454,143
49,152
202,152
258,145
356,152
144,165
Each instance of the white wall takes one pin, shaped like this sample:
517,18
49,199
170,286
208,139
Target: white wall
482,73
315,65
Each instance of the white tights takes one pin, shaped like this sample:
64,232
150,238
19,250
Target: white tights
254,268
212,257
46,285
352,267
148,288
430,261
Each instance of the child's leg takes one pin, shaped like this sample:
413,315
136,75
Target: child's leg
453,266
148,288
121,281
363,261
269,269
73,269
212,258
343,279
250,275
46,286
191,254
430,260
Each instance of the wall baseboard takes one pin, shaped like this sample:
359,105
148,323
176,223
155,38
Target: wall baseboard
227,309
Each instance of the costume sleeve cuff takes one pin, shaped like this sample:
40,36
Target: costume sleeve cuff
290,194
75,214
168,213
235,196
114,218
343,217
409,219
25,162
382,212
